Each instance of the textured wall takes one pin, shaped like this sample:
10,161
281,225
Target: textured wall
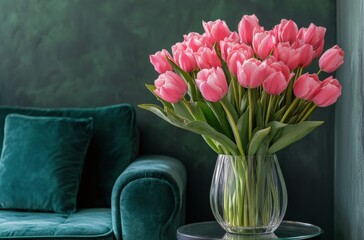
349,145
95,52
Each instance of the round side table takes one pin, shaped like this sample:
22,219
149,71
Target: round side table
212,231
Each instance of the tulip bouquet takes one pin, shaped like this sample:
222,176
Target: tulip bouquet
247,92
238,89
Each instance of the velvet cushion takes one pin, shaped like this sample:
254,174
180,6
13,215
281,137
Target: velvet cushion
41,162
92,223
113,146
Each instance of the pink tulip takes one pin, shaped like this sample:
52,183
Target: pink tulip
328,93
306,54
185,60
331,59
216,31
251,73
263,43
280,67
212,84
180,46
287,31
195,41
246,28
234,57
234,37
228,43
227,48
278,79
287,54
314,36
170,87
159,61
207,58
306,85
275,83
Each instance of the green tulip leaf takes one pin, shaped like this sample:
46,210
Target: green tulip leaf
231,109
257,139
243,130
210,116
203,128
244,103
220,114
279,114
181,109
263,147
157,110
259,114
196,111
277,127
292,133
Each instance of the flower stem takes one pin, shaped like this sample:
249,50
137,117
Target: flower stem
290,86
235,91
291,107
269,109
308,114
234,127
250,131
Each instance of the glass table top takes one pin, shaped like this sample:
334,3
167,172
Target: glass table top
288,230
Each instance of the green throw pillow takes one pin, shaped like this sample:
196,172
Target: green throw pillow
41,162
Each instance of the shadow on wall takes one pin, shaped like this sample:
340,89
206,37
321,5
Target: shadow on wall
91,53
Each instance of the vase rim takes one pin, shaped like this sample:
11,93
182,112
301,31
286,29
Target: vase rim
264,155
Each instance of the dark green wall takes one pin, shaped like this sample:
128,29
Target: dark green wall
349,145
59,53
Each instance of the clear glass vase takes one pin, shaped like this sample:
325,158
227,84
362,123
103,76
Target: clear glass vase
248,194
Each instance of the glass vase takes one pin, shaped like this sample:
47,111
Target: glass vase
248,194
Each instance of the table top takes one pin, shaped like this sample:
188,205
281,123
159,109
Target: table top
288,230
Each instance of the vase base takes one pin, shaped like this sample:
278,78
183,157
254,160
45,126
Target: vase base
254,236
238,230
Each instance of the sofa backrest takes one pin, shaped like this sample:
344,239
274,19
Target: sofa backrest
113,146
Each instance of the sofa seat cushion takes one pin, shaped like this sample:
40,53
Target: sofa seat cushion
91,223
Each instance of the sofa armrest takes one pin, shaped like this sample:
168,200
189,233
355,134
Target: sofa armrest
148,199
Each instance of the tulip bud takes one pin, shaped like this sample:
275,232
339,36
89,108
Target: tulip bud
216,31
234,57
212,84
287,54
328,93
278,79
185,60
227,49
263,43
306,54
314,36
246,28
287,31
170,87
251,73
275,83
331,59
195,41
207,58
159,61
228,43
180,46
306,85
280,67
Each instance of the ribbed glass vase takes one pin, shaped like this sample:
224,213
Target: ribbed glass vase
248,194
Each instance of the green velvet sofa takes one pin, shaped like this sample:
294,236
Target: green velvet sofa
95,187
